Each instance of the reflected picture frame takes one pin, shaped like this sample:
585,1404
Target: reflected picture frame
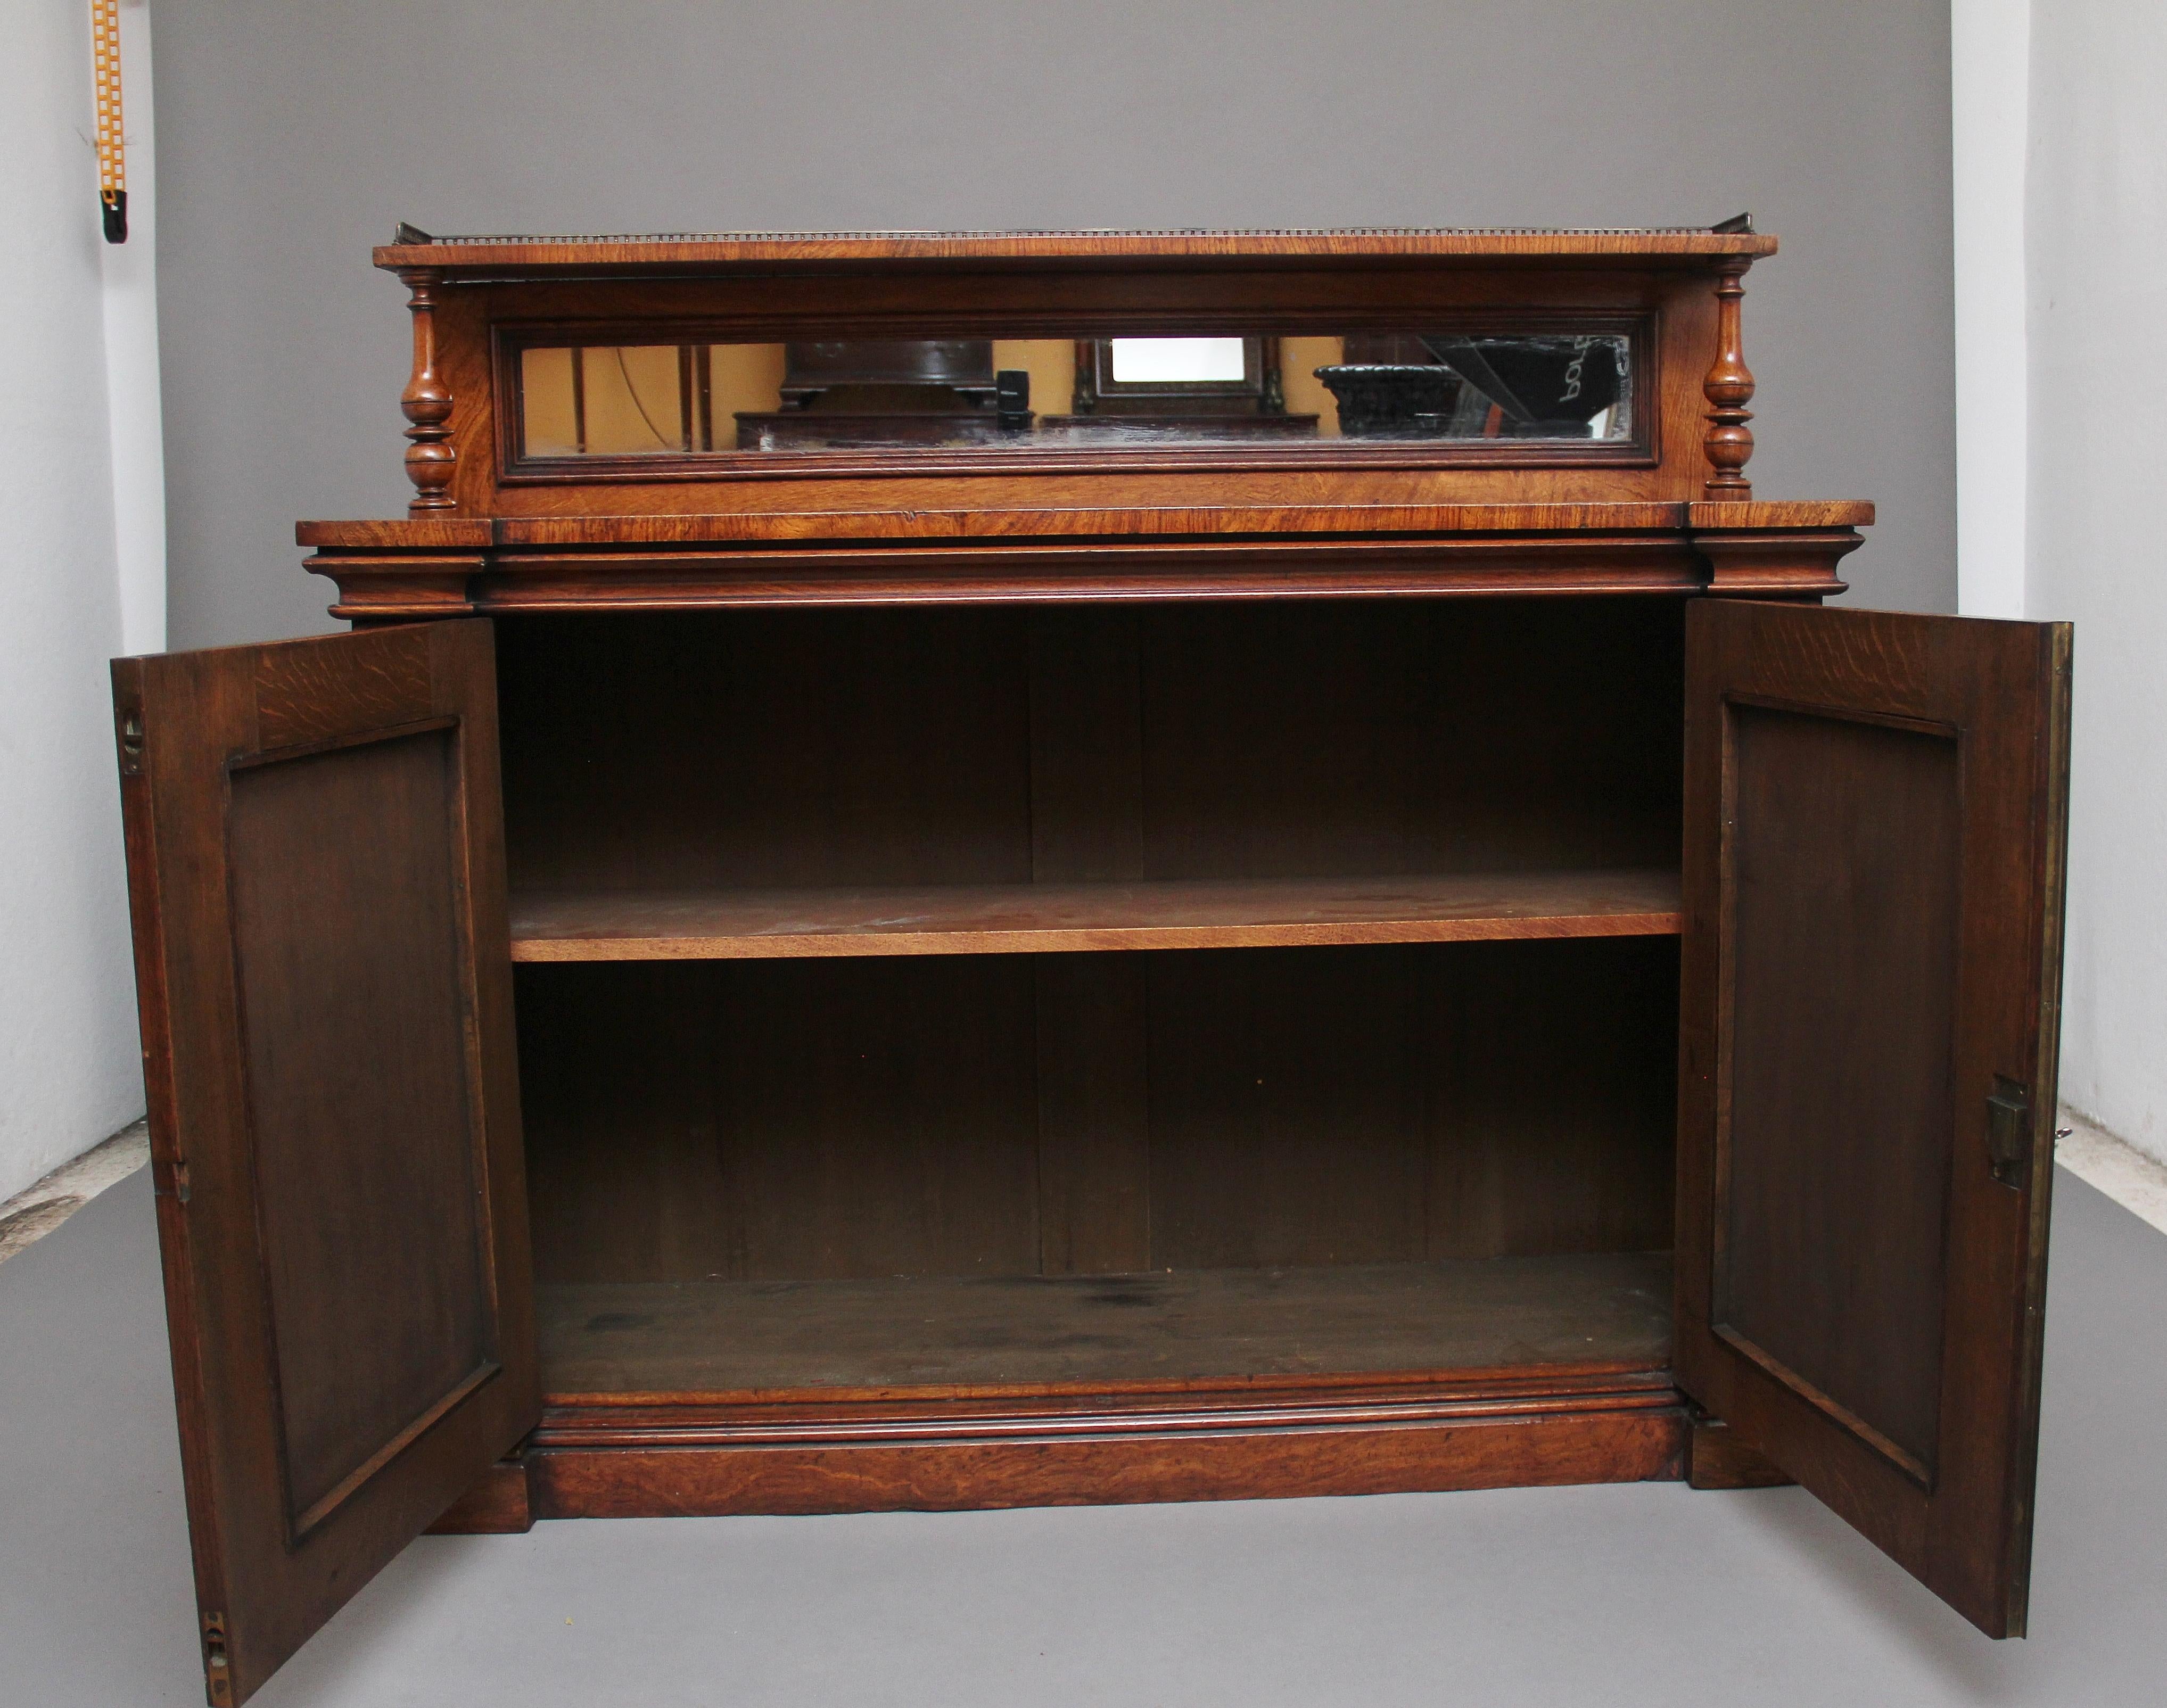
1100,390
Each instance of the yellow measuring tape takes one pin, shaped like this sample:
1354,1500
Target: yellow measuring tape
112,142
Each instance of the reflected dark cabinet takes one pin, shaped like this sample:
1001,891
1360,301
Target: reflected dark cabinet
841,391
945,975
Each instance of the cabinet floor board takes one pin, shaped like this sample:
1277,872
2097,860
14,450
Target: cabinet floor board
714,1337
1026,918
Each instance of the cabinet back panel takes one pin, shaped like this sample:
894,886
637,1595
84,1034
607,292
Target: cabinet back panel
1067,1115
1396,1103
782,1120
1286,1108
1332,740
1321,739
1552,1097
767,748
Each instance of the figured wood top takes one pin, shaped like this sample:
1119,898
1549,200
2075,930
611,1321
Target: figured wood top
483,533
514,255
1039,918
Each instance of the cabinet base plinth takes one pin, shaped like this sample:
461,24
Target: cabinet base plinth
575,1470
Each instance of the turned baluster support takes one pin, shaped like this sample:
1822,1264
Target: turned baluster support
1728,388
427,404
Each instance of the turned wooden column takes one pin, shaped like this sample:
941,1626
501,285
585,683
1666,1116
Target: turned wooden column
1728,388
427,404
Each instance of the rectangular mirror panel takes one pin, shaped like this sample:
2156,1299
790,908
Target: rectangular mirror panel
586,401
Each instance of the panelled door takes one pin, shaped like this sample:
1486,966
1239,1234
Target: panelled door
1875,806
316,873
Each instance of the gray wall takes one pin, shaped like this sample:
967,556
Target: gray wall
70,1071
291,136
2097,239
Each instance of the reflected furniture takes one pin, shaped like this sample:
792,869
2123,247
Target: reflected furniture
874,391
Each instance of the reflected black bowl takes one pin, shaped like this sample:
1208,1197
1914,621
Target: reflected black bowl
1387,400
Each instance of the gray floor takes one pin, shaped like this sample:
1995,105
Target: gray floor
1641,1594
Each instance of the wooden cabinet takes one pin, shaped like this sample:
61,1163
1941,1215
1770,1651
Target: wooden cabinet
975,976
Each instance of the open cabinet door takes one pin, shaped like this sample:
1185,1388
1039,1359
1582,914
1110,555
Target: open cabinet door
1875,806
316,873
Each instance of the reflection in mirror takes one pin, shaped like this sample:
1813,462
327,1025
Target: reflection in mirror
662,400
1522,386
1178,360
1213,387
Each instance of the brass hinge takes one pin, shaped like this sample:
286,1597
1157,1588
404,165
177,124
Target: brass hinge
170,1179
2009,1131
218,1676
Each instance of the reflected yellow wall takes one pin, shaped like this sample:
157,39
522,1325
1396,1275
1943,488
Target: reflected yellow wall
747,376
1051,364
633,401
545,388
1305,395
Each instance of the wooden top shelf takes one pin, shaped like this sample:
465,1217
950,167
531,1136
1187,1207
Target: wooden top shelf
518,256
1049,918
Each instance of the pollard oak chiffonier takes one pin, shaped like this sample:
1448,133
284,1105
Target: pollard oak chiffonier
976,869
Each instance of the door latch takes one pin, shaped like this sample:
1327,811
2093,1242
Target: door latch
2009,1131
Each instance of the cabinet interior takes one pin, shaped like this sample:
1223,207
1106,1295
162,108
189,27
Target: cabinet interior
1349,1048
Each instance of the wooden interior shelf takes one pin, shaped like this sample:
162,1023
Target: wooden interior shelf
1185,1325
1047,919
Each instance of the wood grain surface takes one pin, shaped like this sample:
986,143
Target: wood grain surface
316,876
1877,806
842,749
1008,1333
1045,918
1076,522
1211,1453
